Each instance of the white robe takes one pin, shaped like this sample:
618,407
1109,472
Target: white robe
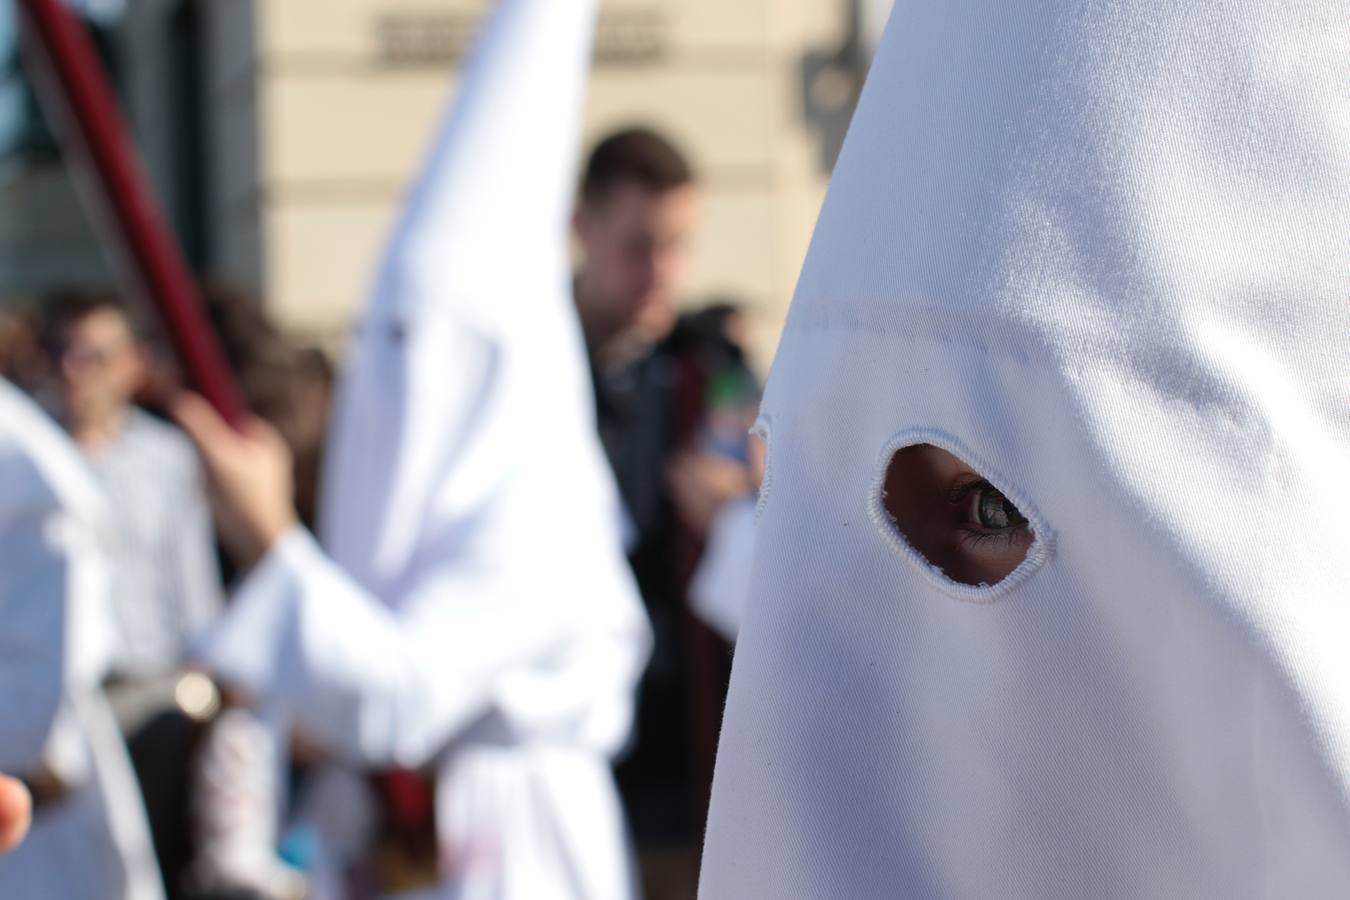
477,611
519,717
1099,250
56,635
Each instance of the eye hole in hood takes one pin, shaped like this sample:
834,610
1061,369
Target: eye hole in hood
947,512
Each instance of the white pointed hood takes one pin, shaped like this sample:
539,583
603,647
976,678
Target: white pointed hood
499,183
469,358
464,473
1100,251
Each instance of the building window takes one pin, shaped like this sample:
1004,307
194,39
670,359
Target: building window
26,137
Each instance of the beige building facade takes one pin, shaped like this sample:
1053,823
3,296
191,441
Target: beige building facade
283,133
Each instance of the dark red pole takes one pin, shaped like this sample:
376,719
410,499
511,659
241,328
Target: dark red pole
79,102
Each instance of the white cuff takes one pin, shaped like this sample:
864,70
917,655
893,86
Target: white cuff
243,645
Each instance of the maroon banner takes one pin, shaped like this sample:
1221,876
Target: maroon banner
74,92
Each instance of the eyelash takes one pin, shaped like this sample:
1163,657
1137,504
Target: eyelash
969,537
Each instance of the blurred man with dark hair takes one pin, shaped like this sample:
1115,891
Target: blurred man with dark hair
655,384
639,207
165,579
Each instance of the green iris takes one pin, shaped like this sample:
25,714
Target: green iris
996,511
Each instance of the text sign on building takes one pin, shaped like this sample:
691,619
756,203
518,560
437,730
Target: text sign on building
438,38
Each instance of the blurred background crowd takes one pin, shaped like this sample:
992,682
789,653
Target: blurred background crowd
280,135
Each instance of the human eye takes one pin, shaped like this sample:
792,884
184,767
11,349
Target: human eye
987,517
953,516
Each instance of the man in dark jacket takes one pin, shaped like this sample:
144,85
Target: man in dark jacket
663,383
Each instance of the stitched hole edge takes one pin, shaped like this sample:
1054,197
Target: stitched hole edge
763,428
1043,540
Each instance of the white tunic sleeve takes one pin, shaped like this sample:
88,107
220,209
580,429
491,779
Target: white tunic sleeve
393,684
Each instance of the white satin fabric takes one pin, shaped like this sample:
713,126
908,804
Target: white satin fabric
1100,251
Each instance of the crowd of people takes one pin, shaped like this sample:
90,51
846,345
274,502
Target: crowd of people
228,805
1034,563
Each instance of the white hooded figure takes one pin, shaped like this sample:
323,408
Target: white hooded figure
89,837
474,613
1050,579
